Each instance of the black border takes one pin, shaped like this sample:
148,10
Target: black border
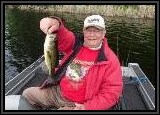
3,3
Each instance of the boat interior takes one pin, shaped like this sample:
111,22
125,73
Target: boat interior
138,92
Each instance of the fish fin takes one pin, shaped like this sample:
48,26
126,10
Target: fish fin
50,63
49,55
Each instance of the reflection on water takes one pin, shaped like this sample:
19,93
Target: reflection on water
133,40
136,43
23,41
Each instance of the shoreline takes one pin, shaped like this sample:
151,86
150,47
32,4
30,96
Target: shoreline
130,11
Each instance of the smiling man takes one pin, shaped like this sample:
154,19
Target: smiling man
92,80
94,31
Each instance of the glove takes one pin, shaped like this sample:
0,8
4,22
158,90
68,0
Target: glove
49,25
48,83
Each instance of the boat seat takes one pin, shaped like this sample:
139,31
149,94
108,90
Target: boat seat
17,102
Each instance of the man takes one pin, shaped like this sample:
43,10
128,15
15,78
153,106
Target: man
93,80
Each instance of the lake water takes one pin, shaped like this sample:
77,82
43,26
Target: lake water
133,40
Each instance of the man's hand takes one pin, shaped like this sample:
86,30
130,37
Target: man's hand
79,107
49,25
66,108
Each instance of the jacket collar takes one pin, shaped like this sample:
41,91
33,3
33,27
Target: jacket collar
102,56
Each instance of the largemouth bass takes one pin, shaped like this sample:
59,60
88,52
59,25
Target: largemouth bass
51,53
51,56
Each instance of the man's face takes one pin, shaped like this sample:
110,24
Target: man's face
93,37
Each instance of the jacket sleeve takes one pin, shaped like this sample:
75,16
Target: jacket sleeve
66,38
110,89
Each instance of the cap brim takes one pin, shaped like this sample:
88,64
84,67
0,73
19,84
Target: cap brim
96,26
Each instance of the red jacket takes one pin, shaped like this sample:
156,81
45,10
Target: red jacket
104,81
